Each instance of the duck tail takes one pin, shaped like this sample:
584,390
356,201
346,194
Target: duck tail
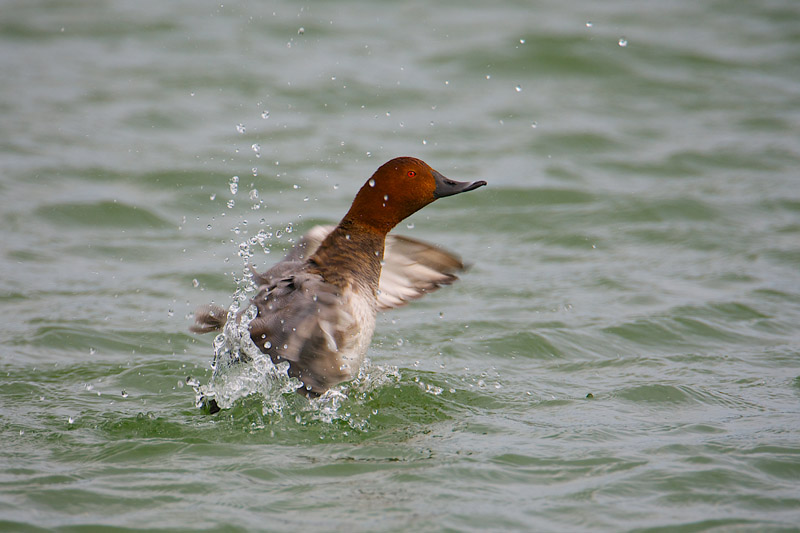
209,318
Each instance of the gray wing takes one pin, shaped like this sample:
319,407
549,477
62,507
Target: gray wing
295,257
412,269
309,243
301,320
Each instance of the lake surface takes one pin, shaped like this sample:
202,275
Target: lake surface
622,355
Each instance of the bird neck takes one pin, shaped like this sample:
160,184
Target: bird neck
351,254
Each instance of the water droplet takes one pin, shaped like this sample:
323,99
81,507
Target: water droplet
231,203
335,186
234,184
301,31
533,125
240,128
399,342
623,42
410,225
195,283
254,170
253,194
295,186
71,420
92,351
212,197
589,24
21,432
385,197
124,393
256,148
170,312
208,227
424,141
488,76
518,88
371,182
265,114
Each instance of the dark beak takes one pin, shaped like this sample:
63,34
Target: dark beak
448,187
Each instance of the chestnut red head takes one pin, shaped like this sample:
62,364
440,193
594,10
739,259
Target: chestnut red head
400,188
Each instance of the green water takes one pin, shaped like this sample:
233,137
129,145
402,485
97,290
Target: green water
623,354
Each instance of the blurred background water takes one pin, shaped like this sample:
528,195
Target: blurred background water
623,355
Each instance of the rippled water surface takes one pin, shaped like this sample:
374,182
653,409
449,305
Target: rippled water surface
623,354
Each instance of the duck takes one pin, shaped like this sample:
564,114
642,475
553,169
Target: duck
316,309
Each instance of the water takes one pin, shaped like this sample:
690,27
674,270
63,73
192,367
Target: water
623,354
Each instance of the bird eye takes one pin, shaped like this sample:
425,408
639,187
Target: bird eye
411,173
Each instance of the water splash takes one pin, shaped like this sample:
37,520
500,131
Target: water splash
347,401
240,369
